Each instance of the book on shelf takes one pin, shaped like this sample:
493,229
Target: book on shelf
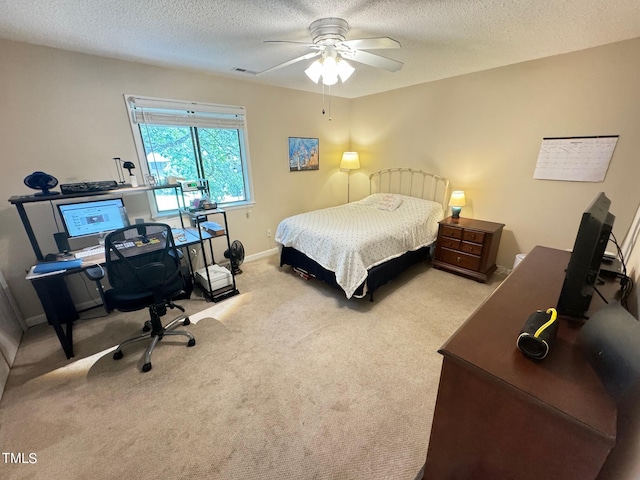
213,228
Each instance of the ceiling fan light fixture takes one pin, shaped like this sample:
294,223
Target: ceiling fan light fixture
344,69
329,71
314,72
330,79
329,68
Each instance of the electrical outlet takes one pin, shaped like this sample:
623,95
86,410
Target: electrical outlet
269,232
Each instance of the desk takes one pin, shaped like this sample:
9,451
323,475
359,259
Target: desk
182,237
501,415
56,299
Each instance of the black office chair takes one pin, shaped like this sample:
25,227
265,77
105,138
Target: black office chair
143,268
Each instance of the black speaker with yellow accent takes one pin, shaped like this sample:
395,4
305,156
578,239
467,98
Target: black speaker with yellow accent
538,334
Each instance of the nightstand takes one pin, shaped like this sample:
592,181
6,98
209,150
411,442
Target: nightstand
468,247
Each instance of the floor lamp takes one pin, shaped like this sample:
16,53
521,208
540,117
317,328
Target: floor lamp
350,161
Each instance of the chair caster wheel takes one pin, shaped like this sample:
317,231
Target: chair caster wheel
186,321
192,342
146,367
117,355
147,327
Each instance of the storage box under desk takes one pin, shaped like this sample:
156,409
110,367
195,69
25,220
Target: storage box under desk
219,277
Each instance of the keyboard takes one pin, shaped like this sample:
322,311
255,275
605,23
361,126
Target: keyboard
82,187
89,252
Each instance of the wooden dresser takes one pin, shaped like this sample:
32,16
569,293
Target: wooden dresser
500,415
468,247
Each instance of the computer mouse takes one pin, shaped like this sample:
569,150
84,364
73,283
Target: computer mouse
145,239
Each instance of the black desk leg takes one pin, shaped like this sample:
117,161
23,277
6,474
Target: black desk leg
59,308
66,339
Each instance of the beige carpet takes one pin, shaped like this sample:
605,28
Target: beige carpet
288,380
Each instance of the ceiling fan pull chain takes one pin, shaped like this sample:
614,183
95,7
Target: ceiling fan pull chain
324,111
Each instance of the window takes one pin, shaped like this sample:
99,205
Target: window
189,141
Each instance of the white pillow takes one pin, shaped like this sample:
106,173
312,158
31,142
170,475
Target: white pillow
389,202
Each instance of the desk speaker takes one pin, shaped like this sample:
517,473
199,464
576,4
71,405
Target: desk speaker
62,242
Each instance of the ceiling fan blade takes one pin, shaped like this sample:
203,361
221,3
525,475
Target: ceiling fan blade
290,62
374,60
371,43
306,44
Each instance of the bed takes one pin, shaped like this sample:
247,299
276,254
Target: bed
362,245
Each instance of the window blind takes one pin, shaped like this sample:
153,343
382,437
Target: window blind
192,114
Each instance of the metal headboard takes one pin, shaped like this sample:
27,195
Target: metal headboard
410,182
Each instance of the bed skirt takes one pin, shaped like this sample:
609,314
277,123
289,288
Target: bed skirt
376,277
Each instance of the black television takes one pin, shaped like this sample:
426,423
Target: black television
588,251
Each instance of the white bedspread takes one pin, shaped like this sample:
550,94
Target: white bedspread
350,239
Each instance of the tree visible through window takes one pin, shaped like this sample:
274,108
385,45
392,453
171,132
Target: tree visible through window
191,141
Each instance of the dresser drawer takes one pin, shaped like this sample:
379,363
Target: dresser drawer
460,259
473,248
473,236
451,243
452,232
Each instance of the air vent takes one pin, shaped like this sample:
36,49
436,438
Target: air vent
244,70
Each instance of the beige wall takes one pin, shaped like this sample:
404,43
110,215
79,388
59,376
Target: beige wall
64,113
484,130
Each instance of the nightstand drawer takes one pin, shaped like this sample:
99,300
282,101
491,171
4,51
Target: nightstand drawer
452,232
451,243
473,248
473,236
460,259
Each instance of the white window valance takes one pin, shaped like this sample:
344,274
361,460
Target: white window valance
181,113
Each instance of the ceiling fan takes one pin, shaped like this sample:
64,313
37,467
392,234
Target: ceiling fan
330,45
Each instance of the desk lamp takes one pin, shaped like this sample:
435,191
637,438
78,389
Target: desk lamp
129,166
350,161
456,202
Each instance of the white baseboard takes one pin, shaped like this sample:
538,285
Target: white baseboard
258,256
36,320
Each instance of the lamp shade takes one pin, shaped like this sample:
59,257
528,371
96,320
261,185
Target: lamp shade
344,69
456,202
457,199
350,161
314,72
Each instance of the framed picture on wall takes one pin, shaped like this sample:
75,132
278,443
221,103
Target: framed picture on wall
304,154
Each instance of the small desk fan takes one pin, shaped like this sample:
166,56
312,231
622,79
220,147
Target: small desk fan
236,256
41,181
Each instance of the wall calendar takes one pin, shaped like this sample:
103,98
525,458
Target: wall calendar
575,159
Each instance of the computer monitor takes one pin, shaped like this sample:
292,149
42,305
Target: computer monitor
586,257
95,217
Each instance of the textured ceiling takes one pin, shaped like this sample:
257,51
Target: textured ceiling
439,38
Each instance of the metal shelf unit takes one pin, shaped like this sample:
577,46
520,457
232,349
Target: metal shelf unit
196,218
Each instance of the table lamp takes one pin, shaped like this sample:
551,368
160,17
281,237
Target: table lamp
122,164
456,202
350,161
